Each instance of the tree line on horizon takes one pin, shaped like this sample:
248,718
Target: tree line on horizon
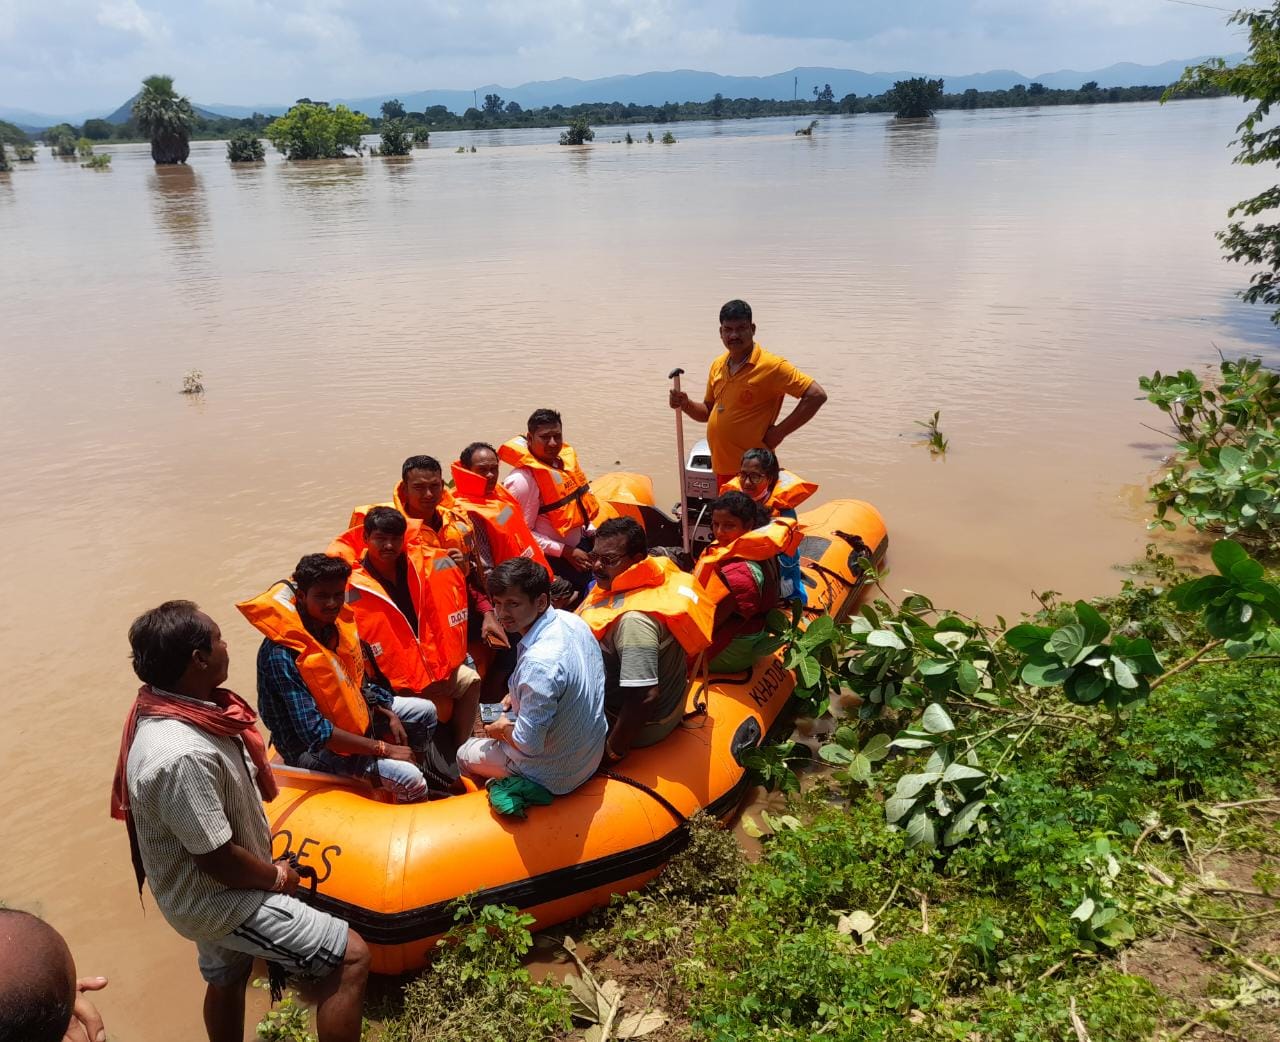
498,113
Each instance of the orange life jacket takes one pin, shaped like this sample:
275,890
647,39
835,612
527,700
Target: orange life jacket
334,678
782,535
566,496
788,492
454,533
655,586
410,661
500,514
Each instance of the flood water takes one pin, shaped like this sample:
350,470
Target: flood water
1016,269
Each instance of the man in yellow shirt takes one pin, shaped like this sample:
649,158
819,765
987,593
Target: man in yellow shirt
744,395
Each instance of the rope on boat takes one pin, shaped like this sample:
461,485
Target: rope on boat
670,807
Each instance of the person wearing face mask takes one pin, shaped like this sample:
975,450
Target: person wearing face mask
313,695
427,504
649,618
745,391
741,573
554,495
779,491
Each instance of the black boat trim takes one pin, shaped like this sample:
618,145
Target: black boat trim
417,924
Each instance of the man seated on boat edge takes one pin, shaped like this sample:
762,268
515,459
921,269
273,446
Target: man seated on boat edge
741,572
761,477
425,501
649,617
554,495
189,784
410,605
553,733
745,390
323,712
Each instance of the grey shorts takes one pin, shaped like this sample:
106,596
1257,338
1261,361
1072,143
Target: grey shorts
308,943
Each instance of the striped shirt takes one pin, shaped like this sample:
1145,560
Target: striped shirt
557,696
191,792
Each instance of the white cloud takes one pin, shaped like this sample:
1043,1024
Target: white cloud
71,55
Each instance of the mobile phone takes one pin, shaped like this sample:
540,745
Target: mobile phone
490,711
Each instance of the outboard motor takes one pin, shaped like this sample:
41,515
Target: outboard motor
700,490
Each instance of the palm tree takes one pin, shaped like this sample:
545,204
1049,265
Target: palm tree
166,117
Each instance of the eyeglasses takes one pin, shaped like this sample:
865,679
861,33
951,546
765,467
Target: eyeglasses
608,560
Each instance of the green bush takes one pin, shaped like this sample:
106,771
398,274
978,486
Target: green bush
102,161
244,146
396,140
579,132
1225,474
84,147
668,138
314,131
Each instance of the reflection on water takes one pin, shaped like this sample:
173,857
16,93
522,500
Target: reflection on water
347,314
912,142
179,205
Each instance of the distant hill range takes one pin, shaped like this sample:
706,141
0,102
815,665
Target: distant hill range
656,88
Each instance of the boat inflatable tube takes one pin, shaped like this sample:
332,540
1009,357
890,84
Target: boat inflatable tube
393,871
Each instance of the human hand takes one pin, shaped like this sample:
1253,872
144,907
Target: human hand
580,559
677,399
506,702
773,437
292,880
394,727
457,556
492,633
501,729
399,752
86,1022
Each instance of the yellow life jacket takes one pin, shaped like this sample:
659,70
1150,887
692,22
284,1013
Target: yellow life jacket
565,493
334,678
655,586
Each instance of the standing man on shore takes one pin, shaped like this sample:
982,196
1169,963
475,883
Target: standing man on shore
744,396
189,784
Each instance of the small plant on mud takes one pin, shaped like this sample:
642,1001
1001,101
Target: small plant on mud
193,382
1225,475
287,1022
476,990
933,437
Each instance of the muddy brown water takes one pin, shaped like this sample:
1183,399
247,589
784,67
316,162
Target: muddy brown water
1016,269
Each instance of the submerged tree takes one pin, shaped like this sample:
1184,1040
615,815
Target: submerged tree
579,132
1256,79
4,160
244,146
314,131
395,139
915,98
166,117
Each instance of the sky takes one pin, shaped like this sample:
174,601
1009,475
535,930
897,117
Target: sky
63,56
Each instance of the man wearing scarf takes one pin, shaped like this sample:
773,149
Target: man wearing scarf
189,783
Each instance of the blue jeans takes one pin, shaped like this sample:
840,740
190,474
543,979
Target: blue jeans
405,779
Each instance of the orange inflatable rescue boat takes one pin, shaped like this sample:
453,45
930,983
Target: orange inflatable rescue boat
393,871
